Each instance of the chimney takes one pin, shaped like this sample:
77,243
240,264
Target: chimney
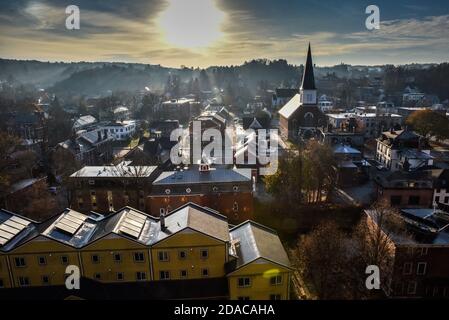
162,219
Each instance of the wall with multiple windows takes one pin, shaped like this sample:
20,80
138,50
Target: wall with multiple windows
189,255
259,280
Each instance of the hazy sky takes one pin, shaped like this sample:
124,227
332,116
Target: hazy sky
224,32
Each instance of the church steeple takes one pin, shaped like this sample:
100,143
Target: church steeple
308,90
308,79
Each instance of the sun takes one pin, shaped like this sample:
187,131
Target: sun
191,23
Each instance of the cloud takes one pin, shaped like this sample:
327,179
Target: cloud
111,31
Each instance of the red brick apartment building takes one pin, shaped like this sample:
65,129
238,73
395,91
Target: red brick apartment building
421,259
229,191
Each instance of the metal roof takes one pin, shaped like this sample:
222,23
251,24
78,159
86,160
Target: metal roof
192,176
291,106
255,241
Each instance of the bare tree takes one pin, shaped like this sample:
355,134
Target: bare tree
322,258
374,238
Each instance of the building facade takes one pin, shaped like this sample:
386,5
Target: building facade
175,251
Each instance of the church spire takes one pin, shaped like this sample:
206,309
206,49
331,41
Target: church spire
308,79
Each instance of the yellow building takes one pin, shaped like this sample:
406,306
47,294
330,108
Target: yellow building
260,266
190,248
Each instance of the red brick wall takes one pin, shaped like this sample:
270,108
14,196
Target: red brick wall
223,203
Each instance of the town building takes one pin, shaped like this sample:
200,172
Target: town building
403,150
105,188
419,256
130,252
120,131
181,109
300,117
416,189
84,123
371,124
89,147
229,191
352,168
282,96
325,104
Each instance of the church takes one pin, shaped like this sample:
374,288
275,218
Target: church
301,117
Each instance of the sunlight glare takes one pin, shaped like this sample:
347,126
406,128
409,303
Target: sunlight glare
191,23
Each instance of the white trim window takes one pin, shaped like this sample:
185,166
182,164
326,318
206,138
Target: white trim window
421,269
408,268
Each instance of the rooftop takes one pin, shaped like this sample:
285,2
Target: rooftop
194,176
252,241
122,170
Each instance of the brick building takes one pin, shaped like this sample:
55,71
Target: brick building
419,259
105,188
229,191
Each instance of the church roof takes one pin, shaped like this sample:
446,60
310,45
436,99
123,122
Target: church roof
255,124
308,79
291,106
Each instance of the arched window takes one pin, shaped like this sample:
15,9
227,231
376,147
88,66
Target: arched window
308,120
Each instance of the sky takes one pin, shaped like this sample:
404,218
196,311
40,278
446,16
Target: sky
201,33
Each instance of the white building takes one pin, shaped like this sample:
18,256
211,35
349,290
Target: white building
325,104
121,131
403,150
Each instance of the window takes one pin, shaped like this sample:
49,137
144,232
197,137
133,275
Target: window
413,200
446,200
45,280
437,199
424,251
164,275
141,276
244,282
64,260
205,272
182,254
117,257
42,261
275,281
161,211
24,281
120,276
97,276
204,253
183,274
408,266
421,269
411,288
235,206
275,297
95,258
20,262
243,298
163,256
139,257
92,182
395,200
